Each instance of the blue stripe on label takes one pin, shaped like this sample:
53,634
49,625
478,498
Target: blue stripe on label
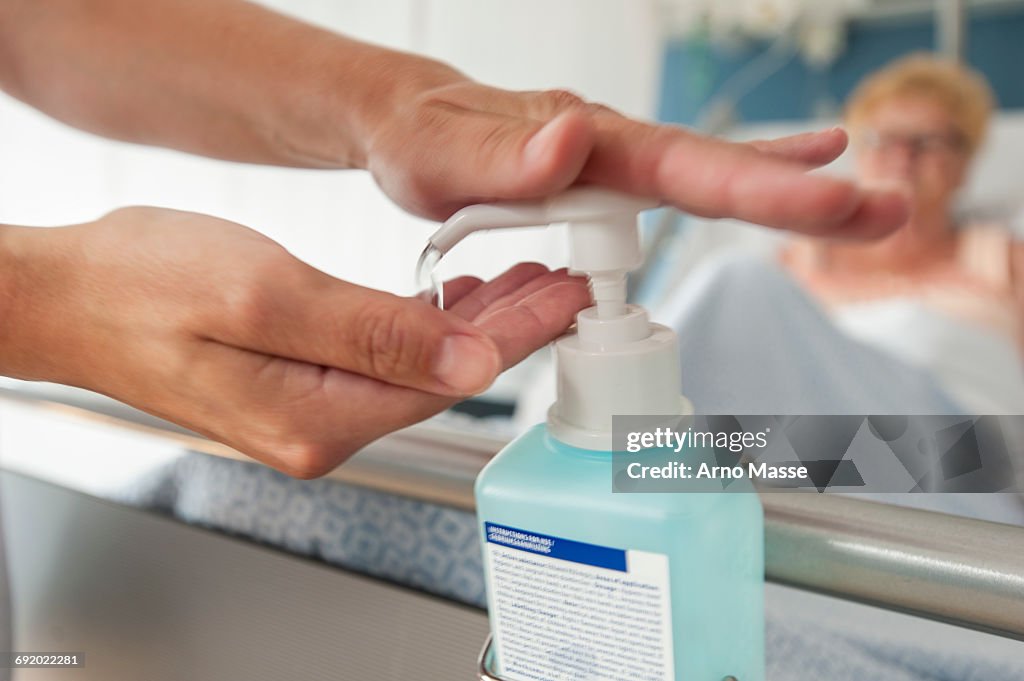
556,547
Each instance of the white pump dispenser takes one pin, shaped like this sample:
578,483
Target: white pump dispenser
616,362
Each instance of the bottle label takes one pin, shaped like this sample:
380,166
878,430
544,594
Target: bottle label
562,609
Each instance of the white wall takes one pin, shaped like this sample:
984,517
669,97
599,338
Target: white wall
607,50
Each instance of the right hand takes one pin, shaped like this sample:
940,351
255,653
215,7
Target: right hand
217,328
451,142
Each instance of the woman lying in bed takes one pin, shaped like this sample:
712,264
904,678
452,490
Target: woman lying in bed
942,296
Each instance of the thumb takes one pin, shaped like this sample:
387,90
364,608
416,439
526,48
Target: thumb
409,342
510,157
321,320
554,155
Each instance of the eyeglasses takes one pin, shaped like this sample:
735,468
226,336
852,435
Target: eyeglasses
918,144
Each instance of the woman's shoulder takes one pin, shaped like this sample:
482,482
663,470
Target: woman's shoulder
1017,268
990,251
994,231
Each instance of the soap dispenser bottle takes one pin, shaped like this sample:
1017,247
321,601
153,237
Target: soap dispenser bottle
584,582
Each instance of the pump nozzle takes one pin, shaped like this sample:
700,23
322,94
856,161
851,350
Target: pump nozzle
604,238
579,204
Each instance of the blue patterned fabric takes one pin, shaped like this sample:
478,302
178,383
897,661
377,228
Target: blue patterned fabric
420,545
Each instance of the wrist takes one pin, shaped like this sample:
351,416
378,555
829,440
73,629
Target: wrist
31,271
365,91
13,290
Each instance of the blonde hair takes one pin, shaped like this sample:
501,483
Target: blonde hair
961,90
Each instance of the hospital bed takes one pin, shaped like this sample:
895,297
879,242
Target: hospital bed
374,572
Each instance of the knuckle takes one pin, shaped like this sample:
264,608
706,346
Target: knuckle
254,298
561,99
308,459
496,137
297,448
250,302
289,440
596,109
429,113
391,341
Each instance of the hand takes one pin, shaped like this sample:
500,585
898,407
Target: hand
214,327
462,143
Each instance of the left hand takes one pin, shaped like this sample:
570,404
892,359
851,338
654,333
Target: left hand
217,328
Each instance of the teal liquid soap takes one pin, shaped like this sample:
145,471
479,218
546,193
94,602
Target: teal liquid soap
586,583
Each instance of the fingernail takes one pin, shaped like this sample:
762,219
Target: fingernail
540,143
466,364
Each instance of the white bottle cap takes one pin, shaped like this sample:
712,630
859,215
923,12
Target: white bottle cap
617,366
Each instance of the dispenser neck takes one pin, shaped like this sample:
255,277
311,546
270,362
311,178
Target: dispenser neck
609,292
618,365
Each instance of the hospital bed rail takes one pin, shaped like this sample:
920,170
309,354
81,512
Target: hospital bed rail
947,568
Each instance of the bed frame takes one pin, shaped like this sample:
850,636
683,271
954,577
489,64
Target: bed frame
931,565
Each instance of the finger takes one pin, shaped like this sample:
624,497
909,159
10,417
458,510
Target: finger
300,313
716,178
559,276
454,290
471,305
880,208
539,318
653,160
457,289
490,156
813,148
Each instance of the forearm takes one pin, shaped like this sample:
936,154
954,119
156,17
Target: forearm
221,78
15,268
11,267
38,319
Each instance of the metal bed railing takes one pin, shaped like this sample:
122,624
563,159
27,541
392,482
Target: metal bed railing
937,566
